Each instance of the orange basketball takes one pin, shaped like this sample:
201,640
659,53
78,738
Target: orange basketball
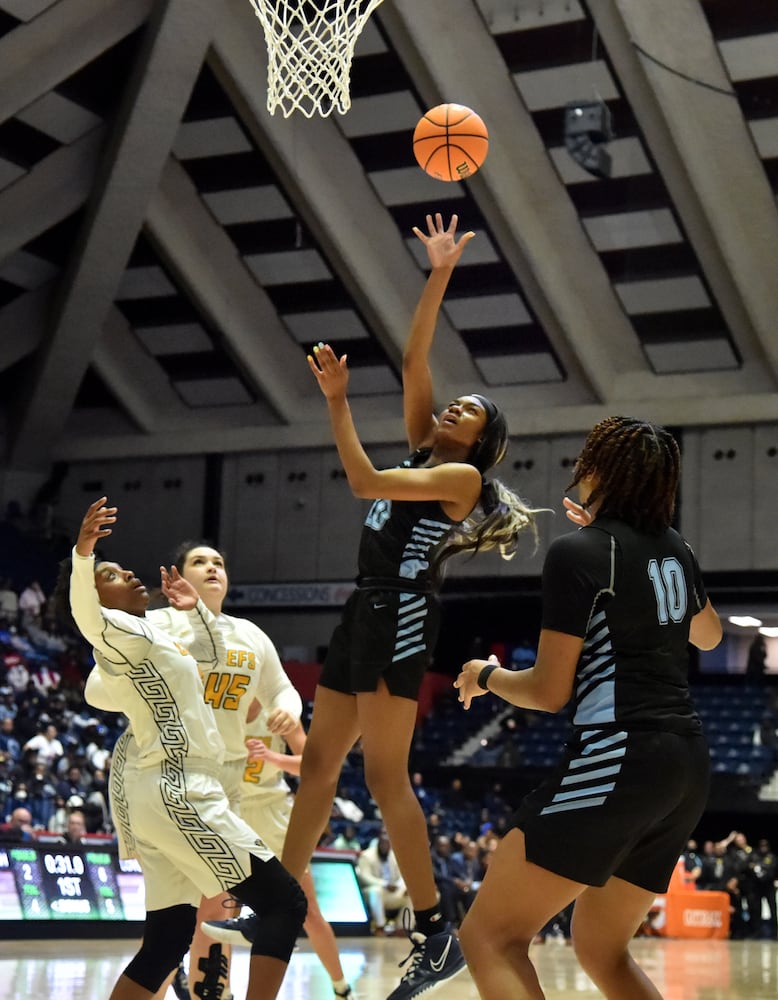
450,142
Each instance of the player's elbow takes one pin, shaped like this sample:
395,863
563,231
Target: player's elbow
364,483
551,702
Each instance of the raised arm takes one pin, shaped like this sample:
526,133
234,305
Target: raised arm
453,482
443,250
121,639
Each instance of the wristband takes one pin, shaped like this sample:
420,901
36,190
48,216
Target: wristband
486,672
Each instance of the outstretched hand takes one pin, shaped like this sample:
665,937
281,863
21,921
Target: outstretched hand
180,593
576,513
93,526
331,373
443,248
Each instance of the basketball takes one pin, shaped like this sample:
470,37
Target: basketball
450,142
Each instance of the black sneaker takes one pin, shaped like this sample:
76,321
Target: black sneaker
180,984
215,969
434,960
239,930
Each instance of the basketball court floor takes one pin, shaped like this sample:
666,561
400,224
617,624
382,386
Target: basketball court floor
683,970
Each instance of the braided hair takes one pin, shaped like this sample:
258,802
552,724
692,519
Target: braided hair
636,467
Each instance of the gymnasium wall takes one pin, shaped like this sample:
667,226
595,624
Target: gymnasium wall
291,517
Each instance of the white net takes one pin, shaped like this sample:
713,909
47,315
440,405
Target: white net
310,45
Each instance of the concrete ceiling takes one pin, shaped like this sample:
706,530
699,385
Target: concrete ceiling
169,251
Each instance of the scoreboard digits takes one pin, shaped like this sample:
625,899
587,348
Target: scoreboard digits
67,883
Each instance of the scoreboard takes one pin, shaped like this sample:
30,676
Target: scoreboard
45,882
47,889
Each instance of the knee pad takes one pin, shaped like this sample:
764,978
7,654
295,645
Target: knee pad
167,935
280,906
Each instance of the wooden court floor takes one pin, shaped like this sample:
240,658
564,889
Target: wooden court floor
683,970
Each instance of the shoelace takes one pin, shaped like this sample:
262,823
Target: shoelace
415,955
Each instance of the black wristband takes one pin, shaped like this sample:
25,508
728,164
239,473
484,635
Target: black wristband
486,673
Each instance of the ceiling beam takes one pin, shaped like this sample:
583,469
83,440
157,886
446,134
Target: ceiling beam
706,154
134,377
203,257
37,56
172,53
55,188
22,323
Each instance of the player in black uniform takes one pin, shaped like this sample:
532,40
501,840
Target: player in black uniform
622,598
435,503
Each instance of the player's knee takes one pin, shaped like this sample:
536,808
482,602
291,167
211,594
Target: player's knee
167,935
281,923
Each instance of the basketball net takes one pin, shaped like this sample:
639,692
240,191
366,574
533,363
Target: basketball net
310,46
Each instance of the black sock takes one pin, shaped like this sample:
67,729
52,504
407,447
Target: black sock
429,921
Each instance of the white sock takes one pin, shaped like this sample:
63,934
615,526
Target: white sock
340,986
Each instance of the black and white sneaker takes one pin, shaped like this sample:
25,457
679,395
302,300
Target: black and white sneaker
434,960
180,984
239,930
215,969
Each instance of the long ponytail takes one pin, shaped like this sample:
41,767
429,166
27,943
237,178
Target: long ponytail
496,523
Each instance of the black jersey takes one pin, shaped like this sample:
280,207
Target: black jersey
631,596
401,537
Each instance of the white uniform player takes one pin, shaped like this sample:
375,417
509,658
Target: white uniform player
266,805
266,799
176,805
189,843
247,667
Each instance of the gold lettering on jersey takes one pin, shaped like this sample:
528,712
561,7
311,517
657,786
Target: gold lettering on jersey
254,768
245,658
224,691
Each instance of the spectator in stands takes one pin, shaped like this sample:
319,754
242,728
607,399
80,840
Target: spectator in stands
442,870
74,783
59,818
32,601
760,890
622,599
692,862
45,678
422,795
98,816
467,873
9,744
756,665
347,839
19,826
47,746
17,675
9,603
76,827
433,505
41,796
379,876
8,707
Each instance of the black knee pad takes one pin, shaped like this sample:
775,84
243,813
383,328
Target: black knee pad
280,906
167,935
